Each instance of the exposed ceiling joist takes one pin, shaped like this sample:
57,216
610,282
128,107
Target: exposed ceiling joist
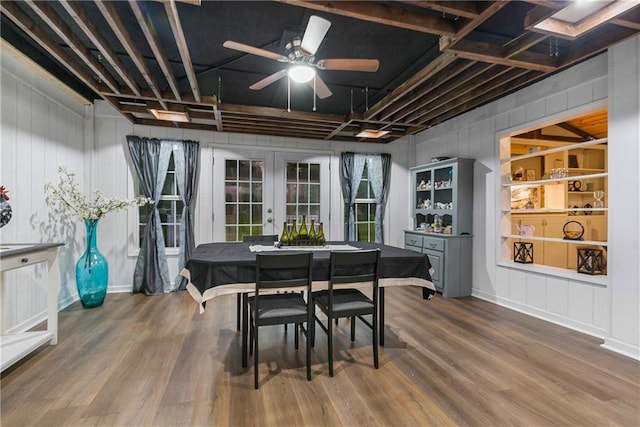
181,42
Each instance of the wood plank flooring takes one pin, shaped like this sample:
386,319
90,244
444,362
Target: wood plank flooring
155,361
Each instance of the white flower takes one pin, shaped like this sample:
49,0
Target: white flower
67,199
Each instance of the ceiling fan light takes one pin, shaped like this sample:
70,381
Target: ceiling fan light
301,73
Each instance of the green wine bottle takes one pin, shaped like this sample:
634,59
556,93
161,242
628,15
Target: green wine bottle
293,236
320,237
312,233
284,237
303,234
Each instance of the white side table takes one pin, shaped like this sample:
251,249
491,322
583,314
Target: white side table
16,346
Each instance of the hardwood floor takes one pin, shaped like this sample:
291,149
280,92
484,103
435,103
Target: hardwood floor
155,361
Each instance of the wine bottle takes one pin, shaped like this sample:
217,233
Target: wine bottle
320,237
284,237
293,236
313,237
303,234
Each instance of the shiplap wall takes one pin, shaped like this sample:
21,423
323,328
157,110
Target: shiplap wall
42,127
609,310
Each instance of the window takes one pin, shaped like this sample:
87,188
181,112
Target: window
243,198
365,209
303,191
170,207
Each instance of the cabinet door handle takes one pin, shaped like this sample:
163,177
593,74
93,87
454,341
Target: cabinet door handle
23,260
413,242
433,245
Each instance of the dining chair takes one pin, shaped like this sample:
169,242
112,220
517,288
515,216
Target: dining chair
277,272
254,238
349,268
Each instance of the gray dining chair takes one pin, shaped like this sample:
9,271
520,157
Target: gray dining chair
281,271
349,267
254,238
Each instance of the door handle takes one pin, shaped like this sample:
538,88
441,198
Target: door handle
269,220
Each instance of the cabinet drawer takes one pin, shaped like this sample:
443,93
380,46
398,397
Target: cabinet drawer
413,240
433,243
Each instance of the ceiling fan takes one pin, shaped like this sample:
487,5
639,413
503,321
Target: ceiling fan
301,54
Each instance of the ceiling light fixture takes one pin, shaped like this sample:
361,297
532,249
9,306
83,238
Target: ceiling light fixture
170,116
301,73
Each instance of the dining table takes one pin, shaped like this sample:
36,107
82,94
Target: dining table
223,268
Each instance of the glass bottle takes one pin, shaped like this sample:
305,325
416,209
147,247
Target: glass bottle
312,233
437,224
320,237
303,234
284,237
293,236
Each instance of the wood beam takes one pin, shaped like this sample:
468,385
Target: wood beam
473,101
145,25
486,52
110,14
430,70
385,14
630,19
522,43
46,12
487,12
183,48
282,113
462,9
493,78
82,20
584,135
468,76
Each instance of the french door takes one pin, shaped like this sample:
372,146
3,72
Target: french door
256,191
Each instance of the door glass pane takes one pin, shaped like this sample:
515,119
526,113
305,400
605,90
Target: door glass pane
303,198
243,198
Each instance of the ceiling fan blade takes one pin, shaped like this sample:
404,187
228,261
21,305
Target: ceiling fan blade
268,80
254,50
368,65
314,34
321,88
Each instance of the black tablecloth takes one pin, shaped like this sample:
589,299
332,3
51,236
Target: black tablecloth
215,264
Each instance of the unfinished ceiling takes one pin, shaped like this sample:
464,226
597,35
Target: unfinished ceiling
437,59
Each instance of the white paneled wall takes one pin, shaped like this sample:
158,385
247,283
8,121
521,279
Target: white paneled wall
42,127
610,311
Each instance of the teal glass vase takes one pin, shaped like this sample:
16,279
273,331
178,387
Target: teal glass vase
92,270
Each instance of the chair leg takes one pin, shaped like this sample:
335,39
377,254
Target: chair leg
330,345
238,310
296,339
375,341
353,328
255,359
250,335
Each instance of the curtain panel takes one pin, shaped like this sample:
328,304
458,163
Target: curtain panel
150,158
351,169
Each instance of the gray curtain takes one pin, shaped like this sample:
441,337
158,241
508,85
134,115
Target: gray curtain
379,173
186,158
151,160
352,166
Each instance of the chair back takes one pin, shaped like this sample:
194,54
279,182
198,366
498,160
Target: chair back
354,266
260,238
283,270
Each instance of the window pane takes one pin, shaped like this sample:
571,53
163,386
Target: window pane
164,208
256,170
292,175
256,230
256,193
314,172
291,211
362,213
243,214
244,192
231,169
244,172
230,234
292,190
230,214
363,190
363,235
230,192
243,230
303,193
257,214
169,182
303,172
314,193
314,212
